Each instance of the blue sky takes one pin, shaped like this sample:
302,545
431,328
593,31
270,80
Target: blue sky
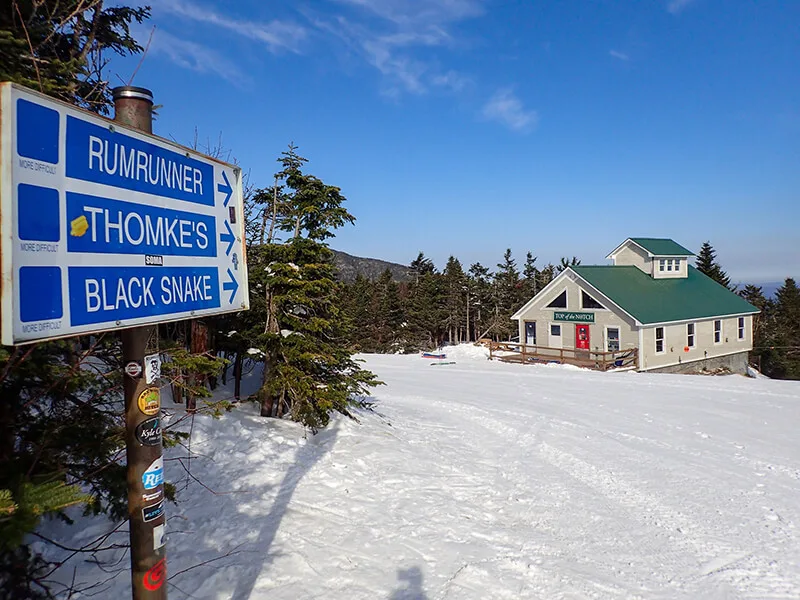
468,126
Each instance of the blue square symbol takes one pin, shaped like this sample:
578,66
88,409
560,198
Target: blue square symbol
37,131
37,213
40,294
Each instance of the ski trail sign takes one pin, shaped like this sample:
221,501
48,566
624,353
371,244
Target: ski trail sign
105,227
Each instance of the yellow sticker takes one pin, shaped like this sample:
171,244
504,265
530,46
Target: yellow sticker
150,401
79,226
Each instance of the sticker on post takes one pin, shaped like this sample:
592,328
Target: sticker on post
159,536
133,369
152,367
155,576
148,432
150,401
150,497
154,475
153,512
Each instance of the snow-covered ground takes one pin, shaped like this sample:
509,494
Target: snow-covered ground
482,480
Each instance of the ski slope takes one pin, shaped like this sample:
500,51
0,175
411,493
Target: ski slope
483,480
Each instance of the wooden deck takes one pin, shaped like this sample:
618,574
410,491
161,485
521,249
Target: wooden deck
513,352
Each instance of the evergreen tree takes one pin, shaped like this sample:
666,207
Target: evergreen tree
508,295
530,277
480,291
755,296
761,329
60,48
308,372
426,305
356,302
707,264
387,315
422,266
567,262
786,331
545,276
455,286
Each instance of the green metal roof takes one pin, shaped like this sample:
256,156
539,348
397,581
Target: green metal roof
662,247
651,300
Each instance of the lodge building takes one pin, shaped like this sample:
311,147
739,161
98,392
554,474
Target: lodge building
650,299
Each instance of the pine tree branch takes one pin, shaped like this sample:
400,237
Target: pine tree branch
30,46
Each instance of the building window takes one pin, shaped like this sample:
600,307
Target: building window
741,328
718,331
612,334
555,330
662,265
560,301
588,302
669,264
690,335
677,265
659,340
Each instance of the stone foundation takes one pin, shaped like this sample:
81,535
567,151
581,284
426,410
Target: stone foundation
732,363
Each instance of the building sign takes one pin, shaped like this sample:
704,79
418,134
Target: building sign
574,317
106,227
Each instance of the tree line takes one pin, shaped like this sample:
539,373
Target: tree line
450,306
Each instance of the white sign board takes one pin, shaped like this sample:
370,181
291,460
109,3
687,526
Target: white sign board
105,227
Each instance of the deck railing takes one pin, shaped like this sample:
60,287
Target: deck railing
592,359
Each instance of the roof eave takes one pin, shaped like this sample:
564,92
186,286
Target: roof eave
692,319
610,255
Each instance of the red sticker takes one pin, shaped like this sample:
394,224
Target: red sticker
154,578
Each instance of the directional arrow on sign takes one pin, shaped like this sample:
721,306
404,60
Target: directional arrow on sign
227,238
231,286
225,188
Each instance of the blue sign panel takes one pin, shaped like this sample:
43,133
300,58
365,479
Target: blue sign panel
104,227
37,213
101,294
41,125
100,155
115,227
40,290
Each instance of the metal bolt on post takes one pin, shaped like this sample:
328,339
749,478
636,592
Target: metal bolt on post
133,107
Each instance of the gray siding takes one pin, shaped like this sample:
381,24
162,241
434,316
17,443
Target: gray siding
675,340
629,337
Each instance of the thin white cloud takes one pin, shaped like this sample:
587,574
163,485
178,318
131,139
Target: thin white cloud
416,12
619,55
398,37
452,80
506,108
192,56
394,53
676,6
276,35
403,71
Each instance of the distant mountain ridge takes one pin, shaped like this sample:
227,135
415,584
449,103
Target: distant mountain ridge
349,267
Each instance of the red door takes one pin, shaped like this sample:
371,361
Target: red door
582,337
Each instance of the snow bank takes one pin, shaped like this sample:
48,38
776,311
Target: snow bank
466,352
485,480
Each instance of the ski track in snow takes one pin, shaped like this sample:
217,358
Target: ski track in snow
485,480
